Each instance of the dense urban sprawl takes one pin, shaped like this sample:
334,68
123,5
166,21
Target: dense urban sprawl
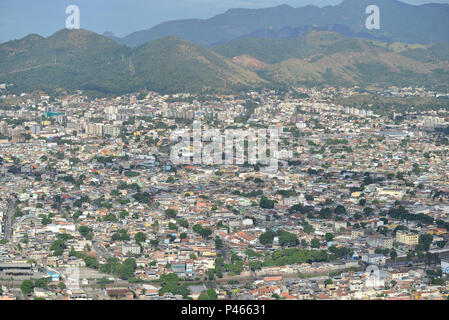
92,207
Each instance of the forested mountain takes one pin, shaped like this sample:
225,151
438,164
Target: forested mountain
80,59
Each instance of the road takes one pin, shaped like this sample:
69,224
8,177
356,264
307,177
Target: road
254,277
9,219
100,250
224,251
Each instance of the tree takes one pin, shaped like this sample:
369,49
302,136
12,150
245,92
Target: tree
340,209
425,240
296,208
27,287
169,283
140,237
131,262
441,244
123,214
211,274
393,255
315,243
367,211
58,247
329,236
171,213
182,223
267,238
46,221
308,228
287,238
126,271
235,268
91,262
172,226
218,243
255,265
204,232
325,213
265,203
122,235
219,271
210,294
84,230
115,237
41,283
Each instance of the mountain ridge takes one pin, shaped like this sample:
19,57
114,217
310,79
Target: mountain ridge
399,22
80,59
323,57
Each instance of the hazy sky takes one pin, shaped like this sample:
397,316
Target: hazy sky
21,17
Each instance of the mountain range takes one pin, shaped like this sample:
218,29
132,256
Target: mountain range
398,22
80,59
323,57
241,49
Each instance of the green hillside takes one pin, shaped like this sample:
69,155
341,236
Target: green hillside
172,64
80,59
278,50
68,59
326,58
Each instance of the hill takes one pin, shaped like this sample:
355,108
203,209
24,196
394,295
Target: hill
68,59
79,59
322,57
174,64
295,32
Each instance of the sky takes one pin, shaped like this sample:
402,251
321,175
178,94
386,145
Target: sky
19,18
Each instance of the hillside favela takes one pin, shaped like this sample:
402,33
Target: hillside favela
237,151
